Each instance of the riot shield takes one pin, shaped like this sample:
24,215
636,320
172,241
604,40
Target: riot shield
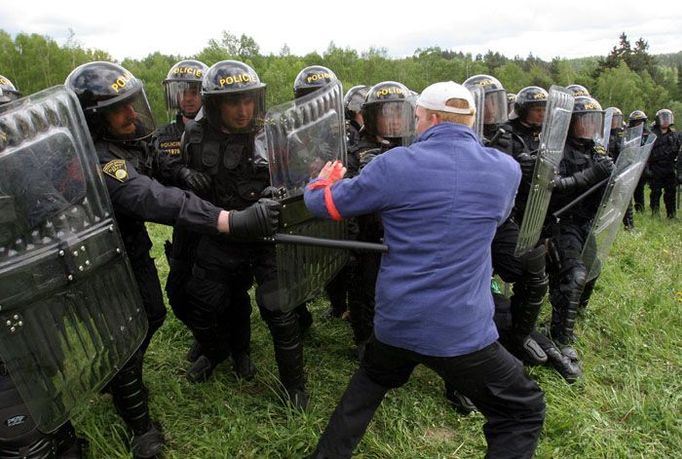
552,139
603,140
301,137
70,310
617,195
479,100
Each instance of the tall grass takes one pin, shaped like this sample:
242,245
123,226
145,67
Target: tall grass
628,404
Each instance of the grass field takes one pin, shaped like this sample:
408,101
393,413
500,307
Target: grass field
629,403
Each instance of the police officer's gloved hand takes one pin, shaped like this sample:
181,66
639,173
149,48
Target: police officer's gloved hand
604,166
272,192
527,163
256,221
195,181
601,169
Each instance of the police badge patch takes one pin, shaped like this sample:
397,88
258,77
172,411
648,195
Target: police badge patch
116,169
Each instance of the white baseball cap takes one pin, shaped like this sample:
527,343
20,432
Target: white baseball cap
435,97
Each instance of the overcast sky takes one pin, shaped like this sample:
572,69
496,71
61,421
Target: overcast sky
568,29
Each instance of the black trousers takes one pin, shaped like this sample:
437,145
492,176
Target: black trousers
493,379
667,186
638,195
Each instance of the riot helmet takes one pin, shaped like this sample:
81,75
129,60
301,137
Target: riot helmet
530,105
664,118
511,99
353,100
587,120
578,90
233,97
182,87
636,118
617,117
311,79
113,101
495,97
388,112
8,92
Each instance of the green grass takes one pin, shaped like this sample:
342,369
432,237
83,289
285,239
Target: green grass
628,404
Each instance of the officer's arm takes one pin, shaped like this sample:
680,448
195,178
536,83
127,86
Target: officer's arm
144,198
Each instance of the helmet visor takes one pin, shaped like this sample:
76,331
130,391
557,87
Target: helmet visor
390,119
617,121
665,118
236,113
128,119
588,125
495,107
184,97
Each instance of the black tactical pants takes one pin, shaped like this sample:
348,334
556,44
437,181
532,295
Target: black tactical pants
568,279
667,186
220,310
180,255
638,195
493,379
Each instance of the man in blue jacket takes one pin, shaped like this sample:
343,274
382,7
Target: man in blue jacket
441,200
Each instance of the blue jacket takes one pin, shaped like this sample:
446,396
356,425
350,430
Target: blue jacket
441,200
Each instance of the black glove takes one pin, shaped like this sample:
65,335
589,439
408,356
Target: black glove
586,177
256,221
527,163
272,192
195,181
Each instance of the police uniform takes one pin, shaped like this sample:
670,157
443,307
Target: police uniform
638,195
662,161
615,145
138,198
569,289
224,270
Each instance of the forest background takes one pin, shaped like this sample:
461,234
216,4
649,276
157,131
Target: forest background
627,77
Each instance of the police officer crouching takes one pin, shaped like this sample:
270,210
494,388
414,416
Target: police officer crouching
227,146
120,122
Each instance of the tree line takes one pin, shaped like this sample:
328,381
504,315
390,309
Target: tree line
627,77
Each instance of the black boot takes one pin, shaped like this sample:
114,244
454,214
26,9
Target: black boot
201,369
567,368
243,366
69,446
286,337
529,293
148,444
460,403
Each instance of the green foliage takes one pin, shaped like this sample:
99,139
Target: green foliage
628,77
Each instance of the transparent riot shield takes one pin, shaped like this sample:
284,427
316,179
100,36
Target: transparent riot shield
301,137
619,189
603,139
552,139
70,310
479,100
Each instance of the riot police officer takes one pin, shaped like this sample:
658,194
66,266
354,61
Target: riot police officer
227,145
584,164
519,138
388,114
352,105
495,107
182,88
120,122
662,161
636,118
309,80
